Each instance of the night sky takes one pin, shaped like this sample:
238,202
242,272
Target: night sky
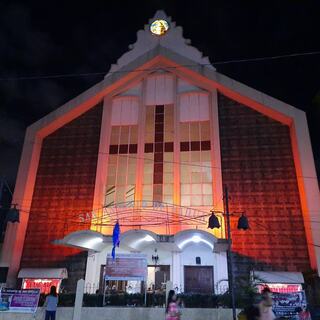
63,39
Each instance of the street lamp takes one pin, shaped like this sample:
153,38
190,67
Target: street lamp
243,224
155,259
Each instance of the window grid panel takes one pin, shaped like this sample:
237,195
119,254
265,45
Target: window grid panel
121,173
195,167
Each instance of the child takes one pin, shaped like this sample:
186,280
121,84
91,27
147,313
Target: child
172,312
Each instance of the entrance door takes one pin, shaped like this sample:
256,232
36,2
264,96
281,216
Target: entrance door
198,279
158,276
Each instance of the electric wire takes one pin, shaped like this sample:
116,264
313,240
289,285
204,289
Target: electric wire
73,75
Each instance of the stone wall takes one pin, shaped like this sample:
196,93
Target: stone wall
111,313
64,188
258,168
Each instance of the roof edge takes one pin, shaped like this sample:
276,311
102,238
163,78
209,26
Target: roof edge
148,62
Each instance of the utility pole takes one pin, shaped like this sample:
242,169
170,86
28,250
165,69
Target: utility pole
229,254
243,224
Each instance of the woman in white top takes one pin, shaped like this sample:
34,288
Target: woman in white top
51,304
265,306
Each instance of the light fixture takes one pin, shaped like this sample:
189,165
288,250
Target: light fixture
213,221
92,242
159,27
155,257
147,238
195,239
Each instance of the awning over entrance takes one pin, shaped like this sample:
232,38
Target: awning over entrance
85,240
43,273
138,240
278,277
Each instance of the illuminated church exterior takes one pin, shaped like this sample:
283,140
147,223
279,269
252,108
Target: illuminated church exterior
152,146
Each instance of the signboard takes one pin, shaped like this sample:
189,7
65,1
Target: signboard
44,285
25,301
128,267
285,304
281,287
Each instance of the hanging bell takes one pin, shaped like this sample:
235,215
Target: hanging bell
213,222
243,223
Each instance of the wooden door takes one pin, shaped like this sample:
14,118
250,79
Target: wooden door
198,279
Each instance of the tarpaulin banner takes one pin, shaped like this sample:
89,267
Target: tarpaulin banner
25,300
129,267
285,304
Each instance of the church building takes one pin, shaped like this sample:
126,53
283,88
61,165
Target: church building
153,146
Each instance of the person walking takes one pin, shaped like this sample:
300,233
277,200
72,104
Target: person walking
172,311
265,306
51,304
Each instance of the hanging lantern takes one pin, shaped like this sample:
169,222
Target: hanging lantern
243,223
213,221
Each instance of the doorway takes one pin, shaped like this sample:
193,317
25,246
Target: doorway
158,276
198,279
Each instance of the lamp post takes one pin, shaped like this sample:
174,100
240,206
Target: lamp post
242,224
155,259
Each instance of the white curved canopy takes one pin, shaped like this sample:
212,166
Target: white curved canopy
85,239
138,240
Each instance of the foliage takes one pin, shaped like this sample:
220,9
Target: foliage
245,293
200,300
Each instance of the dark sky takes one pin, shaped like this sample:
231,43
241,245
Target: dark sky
40,38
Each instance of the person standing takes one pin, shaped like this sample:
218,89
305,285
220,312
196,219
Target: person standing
304,314
265,306
172,311
51,304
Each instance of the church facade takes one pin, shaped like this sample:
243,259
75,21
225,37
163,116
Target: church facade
152,146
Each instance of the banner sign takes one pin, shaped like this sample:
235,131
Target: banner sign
128,267
285,304
25,300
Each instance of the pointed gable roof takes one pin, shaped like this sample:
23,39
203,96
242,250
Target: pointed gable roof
172,40
173,52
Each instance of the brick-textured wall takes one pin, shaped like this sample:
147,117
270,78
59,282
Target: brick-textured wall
258,168
64,188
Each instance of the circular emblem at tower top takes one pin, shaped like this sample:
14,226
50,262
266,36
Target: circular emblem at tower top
159,27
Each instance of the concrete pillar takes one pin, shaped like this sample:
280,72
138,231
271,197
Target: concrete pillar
176,270
220,270
92,272
79,298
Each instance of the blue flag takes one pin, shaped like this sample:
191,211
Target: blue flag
115,239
